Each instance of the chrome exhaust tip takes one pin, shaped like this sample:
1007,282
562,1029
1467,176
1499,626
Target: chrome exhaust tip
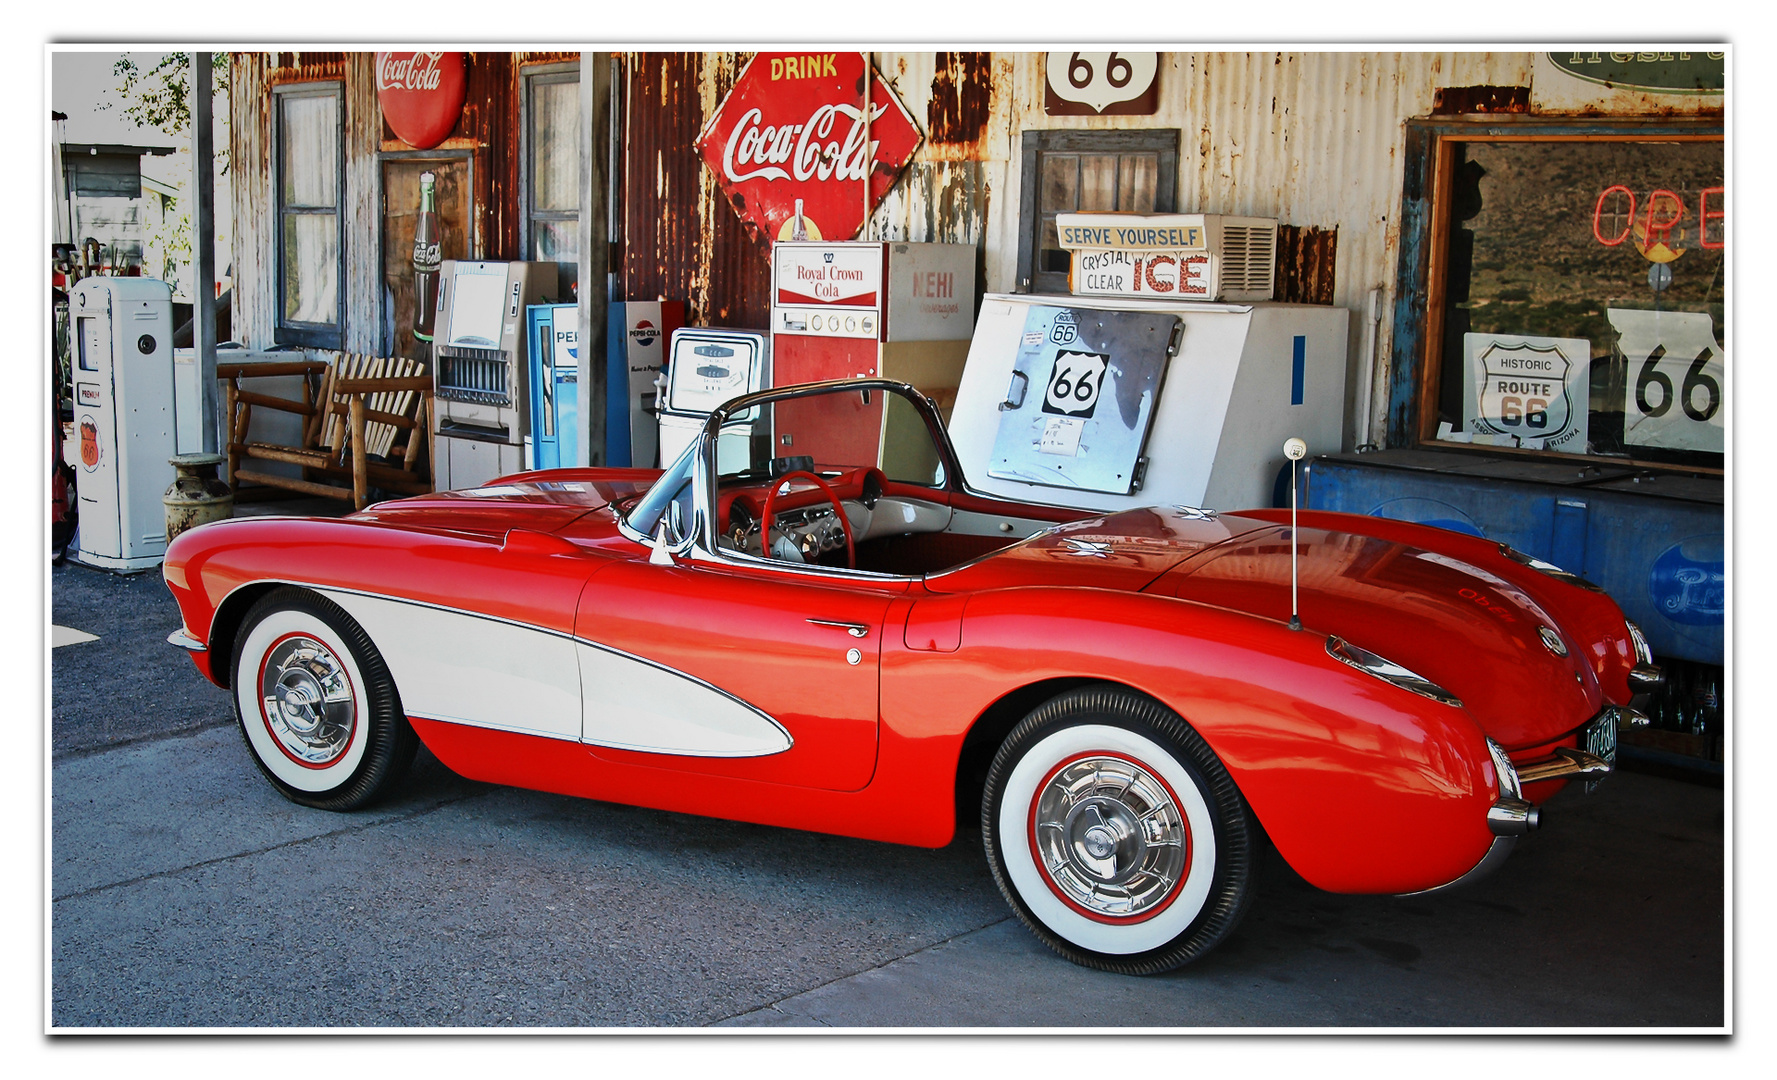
1512,817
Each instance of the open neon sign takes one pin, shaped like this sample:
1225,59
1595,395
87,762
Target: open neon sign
1663,213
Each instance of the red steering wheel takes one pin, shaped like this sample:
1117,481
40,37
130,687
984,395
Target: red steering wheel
851,554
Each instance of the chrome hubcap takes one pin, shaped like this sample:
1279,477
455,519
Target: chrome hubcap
308,700
1110,837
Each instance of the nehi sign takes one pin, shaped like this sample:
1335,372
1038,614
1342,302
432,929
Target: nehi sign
793,131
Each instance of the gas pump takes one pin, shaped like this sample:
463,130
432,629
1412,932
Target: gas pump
125,418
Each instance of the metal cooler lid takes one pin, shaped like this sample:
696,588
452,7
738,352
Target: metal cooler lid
1082,395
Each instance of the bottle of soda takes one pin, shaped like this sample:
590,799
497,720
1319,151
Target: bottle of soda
427,258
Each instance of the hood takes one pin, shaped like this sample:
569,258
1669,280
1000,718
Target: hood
1126,550
1466,627
545,502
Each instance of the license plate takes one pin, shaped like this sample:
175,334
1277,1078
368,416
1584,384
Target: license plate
1600,739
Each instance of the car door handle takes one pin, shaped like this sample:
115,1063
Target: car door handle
852,628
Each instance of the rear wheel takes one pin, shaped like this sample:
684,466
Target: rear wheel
1116,834
316,704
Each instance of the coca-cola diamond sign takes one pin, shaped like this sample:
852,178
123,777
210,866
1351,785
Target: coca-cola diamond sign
421,94
793,131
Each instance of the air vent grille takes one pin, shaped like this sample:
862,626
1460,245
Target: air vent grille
1249,257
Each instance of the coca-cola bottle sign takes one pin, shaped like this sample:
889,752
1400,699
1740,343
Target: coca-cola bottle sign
791,135
421,94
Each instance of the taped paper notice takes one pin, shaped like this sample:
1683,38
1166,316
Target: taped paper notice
1061,436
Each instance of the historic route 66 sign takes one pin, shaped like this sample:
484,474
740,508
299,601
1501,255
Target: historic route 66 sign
1531,388
1101,84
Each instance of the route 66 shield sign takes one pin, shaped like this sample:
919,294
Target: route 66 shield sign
1531,388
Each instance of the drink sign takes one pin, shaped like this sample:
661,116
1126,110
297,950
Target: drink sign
787,145
421,94
1101,84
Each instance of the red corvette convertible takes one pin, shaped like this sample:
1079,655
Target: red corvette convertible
809,620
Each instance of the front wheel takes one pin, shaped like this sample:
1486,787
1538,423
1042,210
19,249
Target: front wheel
1115,833
316,704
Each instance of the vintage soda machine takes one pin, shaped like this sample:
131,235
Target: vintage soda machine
709,366
857,309
126,418
481,366
1141,387
554,345
638,335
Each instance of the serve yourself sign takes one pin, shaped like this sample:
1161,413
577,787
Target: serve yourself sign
793,130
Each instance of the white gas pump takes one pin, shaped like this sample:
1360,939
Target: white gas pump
125,418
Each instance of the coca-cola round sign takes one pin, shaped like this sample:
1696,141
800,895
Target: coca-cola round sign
792,131
421,94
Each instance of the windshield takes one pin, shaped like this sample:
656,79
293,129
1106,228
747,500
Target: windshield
669,499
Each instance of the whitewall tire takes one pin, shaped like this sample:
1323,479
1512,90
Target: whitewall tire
316,704
1116,834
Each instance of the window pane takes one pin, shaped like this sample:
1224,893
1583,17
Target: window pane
1136,181
555,241
555,152
1098,182
311,268
310,150
1060,193
1051,257
1583,307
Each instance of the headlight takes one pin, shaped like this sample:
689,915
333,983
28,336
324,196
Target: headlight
1389,671
1548,569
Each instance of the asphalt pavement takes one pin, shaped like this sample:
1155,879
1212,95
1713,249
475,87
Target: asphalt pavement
185,892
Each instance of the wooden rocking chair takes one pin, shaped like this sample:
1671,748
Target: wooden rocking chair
360,406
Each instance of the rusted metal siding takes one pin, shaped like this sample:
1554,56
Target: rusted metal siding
681,240
961,92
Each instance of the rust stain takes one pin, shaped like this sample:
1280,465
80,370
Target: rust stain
962,88
681,237
1466,100
1306,256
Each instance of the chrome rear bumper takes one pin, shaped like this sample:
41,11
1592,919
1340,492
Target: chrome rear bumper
1512,814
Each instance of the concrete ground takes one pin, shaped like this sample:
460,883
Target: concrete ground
186,893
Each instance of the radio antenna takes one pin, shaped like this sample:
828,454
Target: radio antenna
1295,450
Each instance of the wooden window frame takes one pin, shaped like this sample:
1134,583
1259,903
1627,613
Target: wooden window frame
528,215
1417,352
1162,141
316,335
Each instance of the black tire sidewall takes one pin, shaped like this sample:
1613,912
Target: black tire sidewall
1235,831
390,742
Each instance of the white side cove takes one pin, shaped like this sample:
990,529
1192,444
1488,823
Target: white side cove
470,669
642,706
464,668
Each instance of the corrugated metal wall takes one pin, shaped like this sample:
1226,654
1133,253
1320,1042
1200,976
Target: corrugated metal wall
680,239
1313,139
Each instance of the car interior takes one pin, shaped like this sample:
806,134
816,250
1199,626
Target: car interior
840,478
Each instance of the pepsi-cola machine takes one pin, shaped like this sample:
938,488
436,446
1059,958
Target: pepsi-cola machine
638,337
554,441
857,309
